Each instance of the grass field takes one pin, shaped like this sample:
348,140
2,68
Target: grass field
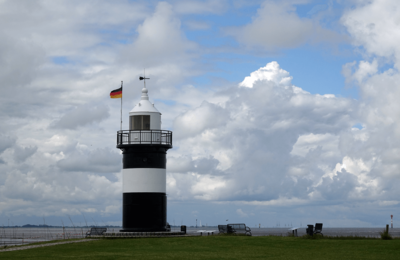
217,247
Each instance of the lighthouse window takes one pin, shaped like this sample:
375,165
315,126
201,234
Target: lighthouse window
140,122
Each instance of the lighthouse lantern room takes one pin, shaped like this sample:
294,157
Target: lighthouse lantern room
144,149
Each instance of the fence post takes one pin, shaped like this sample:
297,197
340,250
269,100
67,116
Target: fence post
387,228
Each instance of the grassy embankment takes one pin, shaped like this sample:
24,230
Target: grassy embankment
217,247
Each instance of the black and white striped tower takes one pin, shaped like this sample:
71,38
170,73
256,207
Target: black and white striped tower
144,147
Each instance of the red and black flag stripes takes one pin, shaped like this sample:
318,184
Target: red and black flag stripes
116,93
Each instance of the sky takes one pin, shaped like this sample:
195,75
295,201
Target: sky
283,112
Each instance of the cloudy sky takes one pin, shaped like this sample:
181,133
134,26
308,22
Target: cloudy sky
283,112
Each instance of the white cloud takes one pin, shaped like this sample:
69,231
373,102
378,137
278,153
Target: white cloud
260,139
199,7
98,161
241,213
207,116
277,25
22,153
66,27
160,40
6,142
364,71
309,142
82,115
271,72
373,25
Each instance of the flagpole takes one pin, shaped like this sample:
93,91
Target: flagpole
121,102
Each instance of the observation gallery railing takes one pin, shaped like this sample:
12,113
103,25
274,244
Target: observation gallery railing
129,137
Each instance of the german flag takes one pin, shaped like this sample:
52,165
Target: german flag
116,93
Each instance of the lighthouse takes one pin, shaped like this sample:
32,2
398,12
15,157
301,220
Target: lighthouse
144,149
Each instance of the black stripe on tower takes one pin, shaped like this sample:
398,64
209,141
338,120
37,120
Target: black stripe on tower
144,157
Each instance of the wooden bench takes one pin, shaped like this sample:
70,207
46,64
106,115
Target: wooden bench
96,231
235,229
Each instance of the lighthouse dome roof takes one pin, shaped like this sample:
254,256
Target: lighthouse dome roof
144,104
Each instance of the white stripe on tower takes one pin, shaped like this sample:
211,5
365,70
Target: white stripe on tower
144,180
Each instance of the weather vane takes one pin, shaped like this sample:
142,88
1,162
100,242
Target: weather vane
144,78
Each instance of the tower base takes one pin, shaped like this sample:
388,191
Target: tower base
144,212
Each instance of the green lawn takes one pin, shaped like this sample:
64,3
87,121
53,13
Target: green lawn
216,247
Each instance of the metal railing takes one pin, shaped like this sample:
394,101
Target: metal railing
11,236
128,137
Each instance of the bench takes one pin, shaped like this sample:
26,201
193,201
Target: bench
235,229
317,230
222,229
96,231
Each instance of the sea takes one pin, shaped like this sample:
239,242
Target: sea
21,235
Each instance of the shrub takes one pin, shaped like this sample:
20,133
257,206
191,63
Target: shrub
385,235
